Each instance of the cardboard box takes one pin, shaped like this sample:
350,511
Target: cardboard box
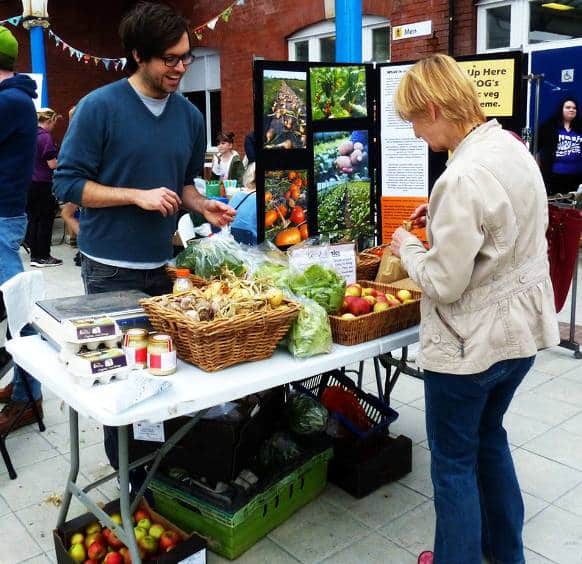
192,549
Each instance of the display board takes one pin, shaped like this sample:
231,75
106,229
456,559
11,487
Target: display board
334,158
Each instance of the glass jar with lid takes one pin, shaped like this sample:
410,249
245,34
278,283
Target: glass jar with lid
182,282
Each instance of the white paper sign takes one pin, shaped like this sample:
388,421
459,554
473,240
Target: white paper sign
145,431
411,30
198,558
342,258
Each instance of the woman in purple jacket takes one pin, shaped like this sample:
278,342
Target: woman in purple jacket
41,204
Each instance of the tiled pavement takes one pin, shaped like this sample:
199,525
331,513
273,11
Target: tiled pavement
392,525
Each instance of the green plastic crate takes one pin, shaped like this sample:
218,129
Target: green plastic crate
230,534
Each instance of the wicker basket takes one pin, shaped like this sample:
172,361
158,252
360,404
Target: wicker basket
367,266
196,280
374,325
213,345
372,251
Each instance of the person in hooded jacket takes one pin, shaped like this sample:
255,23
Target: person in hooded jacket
17,150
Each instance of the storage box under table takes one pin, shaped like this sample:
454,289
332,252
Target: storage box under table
230,534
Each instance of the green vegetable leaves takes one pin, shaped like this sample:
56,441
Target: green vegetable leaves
320,284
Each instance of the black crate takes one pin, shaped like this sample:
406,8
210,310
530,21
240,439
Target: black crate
380,414
360,467
217,449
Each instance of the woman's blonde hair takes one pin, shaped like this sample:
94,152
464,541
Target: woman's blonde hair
46,114
438,79
249,180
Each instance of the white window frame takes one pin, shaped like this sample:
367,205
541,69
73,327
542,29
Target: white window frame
315,32
203,82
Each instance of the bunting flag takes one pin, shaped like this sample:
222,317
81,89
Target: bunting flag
12,21
211,24
86,58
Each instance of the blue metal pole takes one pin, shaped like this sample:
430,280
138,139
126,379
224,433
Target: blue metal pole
348,29
39,60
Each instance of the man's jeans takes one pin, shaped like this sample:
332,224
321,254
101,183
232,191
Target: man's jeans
97,278
478,503
12,230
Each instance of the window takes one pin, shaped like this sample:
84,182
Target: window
498,27
316,43
201,85
381,44
552,21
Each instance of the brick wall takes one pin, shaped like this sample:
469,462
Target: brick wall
258,28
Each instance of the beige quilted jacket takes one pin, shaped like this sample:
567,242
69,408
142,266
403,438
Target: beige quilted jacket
487,294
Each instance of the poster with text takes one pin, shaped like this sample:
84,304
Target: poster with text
338,92
286,207
404,160
343,185
284,109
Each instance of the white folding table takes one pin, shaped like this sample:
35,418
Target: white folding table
193,391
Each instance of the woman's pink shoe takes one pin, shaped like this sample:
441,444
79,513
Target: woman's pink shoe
425,557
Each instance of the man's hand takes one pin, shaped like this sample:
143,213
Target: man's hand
418,216
159,199
217,213
398,237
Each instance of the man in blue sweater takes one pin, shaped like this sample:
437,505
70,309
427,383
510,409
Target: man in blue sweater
129,159
17,147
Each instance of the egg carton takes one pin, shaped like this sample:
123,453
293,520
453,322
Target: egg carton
98,367
90,330
70,348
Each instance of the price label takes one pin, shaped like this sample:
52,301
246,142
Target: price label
342,258
144,431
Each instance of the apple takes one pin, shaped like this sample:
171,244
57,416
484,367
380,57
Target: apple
77,538
156,530
93,528
141,514
348,316
97,551
370,299
92,562
403,295
369,292
169,538
125,554
95,537
381,297
392,300
139,532
149,544
145,523
113,558
77,552
381,306
114,541
354,290
359,306
116,518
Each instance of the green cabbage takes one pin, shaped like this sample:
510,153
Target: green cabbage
323,285
310,334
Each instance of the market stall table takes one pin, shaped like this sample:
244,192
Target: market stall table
193,391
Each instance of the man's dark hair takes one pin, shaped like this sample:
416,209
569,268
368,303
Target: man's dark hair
149,29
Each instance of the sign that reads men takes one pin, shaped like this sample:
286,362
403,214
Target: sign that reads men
494,81
407,31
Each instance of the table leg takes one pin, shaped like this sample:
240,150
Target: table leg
124,504
74,468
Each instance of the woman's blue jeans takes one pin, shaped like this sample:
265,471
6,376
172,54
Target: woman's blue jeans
478,503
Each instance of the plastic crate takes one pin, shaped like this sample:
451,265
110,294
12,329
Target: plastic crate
362,467
380,414
230,534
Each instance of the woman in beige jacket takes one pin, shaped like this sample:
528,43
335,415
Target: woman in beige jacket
487,308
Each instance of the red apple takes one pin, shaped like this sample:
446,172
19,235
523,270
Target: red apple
354,290
149,544
169,538
114,541
369,292
126,555
95,537
381,306
97,551
392,300
370,299
359,306
141,514
92,562
381,297
113,558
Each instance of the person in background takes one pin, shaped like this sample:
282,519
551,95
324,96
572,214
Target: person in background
487,307
129,158
250,148
245,204
17,147
560,149
226,164
41,204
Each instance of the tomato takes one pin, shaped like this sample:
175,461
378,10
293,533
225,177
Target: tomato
292,175
271,217
297,215
287,194
304,231
294,193
282,210
289,236
268,197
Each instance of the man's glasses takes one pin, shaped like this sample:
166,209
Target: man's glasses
172,60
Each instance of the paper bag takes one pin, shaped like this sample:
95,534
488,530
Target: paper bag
407,284
391,269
